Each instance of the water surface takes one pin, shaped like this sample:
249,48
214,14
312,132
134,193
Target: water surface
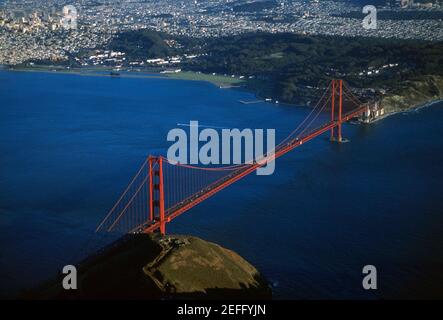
70,143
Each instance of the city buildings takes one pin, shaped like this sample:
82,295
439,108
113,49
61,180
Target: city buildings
38,30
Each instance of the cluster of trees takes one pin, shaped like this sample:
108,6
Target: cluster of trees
288,66
141,44
291,64
255,6
397,15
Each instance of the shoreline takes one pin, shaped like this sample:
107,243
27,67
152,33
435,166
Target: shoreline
91,73
239,84
141,75
409,110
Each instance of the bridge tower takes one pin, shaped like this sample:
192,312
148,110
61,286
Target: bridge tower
337,85
161,191
156,192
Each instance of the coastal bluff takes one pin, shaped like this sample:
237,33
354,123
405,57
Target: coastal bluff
413,93
141,266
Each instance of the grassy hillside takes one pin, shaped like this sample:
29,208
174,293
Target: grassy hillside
151,267
289,66
413,93
191,266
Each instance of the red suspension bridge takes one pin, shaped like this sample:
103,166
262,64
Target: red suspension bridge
161,191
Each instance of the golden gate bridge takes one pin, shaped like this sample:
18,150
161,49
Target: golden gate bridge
161,191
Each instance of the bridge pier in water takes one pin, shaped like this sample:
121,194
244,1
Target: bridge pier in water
161,191
336,135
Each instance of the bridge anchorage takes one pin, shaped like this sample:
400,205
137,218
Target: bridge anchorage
161,191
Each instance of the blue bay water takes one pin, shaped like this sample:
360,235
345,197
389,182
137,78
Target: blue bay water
69,145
